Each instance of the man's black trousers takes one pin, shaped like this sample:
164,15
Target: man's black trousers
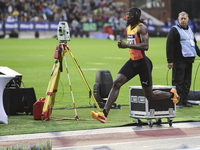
181,78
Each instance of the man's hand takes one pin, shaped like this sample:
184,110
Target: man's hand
122,44
170,65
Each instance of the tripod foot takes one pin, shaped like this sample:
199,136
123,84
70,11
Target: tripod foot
46,115
76,117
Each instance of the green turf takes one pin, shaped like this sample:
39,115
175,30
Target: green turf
33,58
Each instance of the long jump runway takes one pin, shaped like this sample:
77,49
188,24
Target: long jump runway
178,137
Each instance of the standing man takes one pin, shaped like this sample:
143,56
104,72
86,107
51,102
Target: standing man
138,64
181,52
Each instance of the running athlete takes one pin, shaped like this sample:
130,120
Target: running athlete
138,64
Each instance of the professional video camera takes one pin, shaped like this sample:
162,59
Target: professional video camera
63,33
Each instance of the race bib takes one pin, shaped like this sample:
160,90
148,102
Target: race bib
131,41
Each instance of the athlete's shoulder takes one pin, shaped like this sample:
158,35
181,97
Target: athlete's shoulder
142,27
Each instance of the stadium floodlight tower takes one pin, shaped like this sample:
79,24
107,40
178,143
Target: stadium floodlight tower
63,35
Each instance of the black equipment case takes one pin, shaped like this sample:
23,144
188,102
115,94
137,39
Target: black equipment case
18,100
141,108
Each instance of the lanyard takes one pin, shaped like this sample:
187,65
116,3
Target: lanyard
189,38
187,34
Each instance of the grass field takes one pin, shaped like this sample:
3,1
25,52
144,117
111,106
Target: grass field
33,58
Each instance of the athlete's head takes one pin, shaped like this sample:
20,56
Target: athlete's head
133,16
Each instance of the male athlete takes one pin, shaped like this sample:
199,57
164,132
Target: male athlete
138,64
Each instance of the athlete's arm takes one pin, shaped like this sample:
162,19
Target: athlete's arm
144,37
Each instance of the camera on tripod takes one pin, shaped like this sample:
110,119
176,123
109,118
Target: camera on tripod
63,33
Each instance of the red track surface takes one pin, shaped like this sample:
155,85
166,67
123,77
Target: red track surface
110,136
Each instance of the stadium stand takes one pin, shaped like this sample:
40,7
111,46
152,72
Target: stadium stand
82,16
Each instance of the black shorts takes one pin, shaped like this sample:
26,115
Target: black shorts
142,67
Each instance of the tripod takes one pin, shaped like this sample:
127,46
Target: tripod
54,80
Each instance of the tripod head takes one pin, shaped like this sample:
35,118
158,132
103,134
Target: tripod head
63,33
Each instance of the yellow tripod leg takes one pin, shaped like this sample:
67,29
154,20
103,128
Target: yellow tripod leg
83,78
52,87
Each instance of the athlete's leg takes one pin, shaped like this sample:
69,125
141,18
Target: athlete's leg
146,82
126,73
114,92
155,95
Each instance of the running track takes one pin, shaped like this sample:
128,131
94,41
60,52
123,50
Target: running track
180,136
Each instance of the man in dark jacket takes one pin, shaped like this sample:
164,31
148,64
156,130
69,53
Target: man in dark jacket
181,52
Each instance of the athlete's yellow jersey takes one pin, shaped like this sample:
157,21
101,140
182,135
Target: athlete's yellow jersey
132,38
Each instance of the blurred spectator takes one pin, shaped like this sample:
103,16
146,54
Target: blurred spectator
169,22
15,14
10,18
2,7
10,7
48,12
150,21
